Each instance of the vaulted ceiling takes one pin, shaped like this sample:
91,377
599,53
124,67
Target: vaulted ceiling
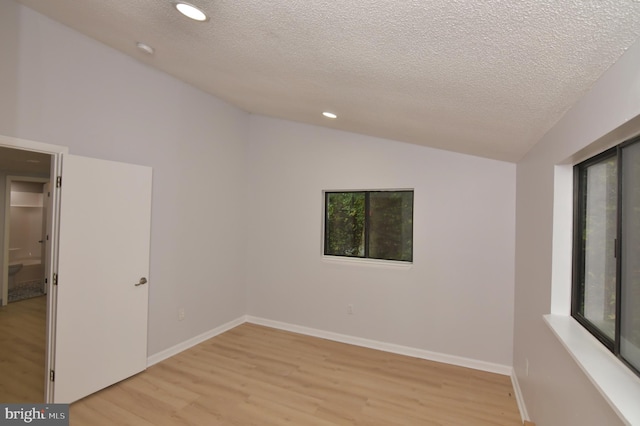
483,77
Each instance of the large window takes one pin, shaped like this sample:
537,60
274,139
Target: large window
606,278
369,224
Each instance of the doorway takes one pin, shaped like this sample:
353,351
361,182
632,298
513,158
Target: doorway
24,343
23,310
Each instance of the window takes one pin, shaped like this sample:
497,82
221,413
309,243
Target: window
369,224
606,277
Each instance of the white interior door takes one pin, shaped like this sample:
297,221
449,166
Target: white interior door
103,252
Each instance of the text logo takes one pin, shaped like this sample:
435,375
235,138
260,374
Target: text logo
34,414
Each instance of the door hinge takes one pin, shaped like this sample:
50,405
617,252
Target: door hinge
52,376
58,181
55,279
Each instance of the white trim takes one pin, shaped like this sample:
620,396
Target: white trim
176,349
519,398
490,367
617,384
367,261
387,347
46,148
562,249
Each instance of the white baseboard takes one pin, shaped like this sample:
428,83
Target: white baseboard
174,350
387,347
519,398
343,338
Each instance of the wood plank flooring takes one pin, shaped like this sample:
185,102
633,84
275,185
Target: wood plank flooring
254,375
22,350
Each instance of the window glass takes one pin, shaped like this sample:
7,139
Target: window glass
344,223
630,260
599,275
391,225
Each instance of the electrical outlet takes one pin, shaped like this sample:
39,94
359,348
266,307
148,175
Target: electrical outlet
350,309
180,314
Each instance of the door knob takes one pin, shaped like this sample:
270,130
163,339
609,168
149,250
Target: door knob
143,280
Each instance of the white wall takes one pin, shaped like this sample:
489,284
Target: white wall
556,391
72,91
9,24
456,298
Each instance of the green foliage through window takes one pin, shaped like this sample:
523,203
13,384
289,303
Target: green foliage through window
369,224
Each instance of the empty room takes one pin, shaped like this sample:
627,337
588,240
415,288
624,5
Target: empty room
368,213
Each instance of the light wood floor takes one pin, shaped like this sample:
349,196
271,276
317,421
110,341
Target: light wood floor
254,375
22,350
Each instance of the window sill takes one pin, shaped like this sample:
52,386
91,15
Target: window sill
619,386
367,262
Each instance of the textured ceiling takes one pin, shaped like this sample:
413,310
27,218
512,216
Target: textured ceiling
483,77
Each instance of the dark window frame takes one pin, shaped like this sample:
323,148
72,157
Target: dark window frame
367,223
578,261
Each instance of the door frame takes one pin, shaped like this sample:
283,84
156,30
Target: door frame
56,152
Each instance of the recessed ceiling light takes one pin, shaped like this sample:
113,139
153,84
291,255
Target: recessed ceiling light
145,48
329,115
190,11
